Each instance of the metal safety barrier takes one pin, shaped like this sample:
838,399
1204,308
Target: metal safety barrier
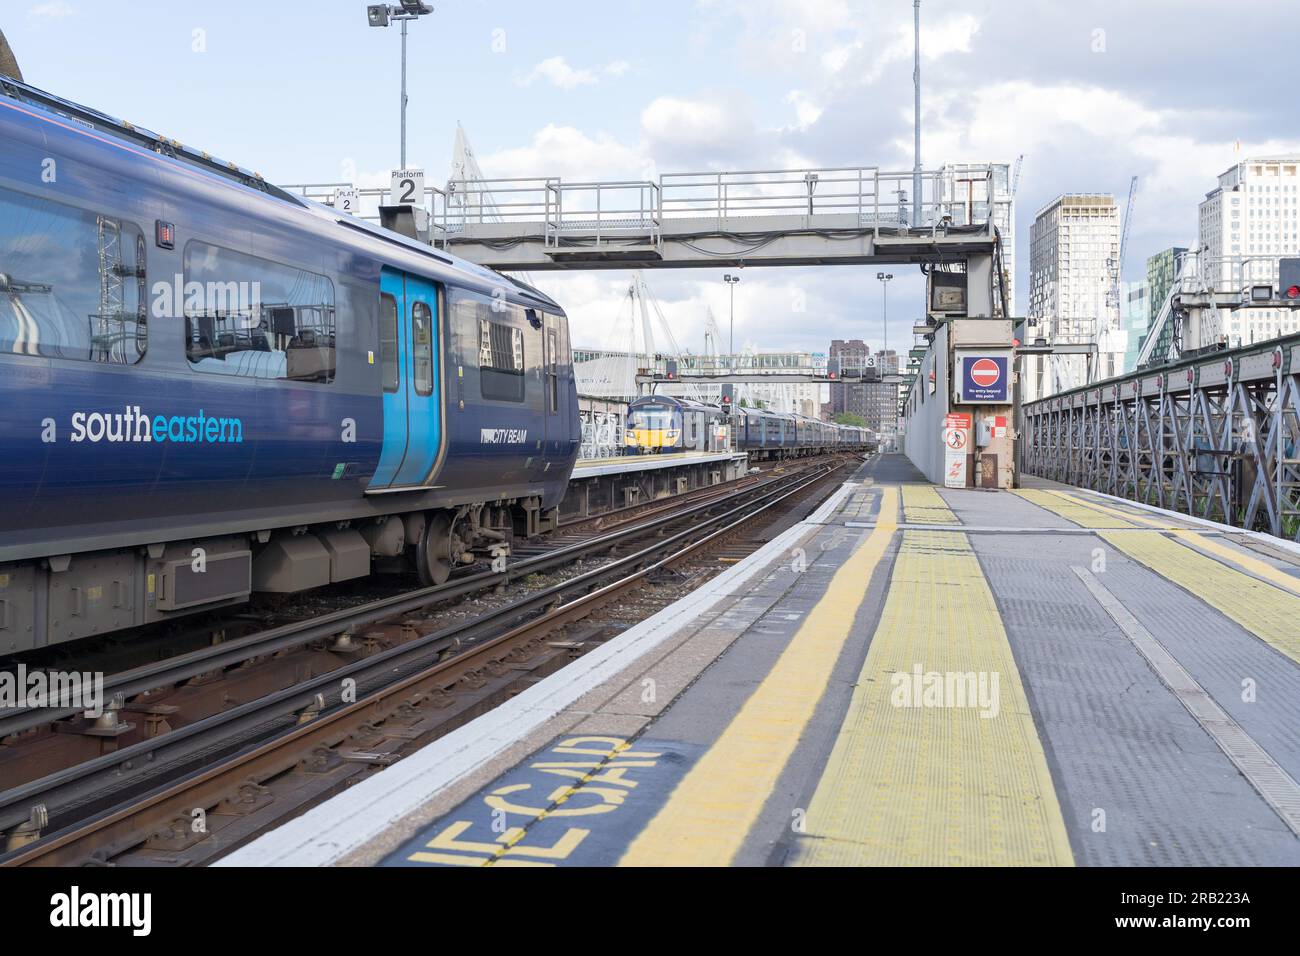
1216,436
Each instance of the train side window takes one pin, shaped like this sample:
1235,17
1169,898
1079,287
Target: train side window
422,348
388,367
72,283
253,317
501,361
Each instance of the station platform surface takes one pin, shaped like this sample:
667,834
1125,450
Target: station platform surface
911,676
594,467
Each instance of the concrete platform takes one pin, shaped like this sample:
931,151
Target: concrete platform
600,485
592,467
912,676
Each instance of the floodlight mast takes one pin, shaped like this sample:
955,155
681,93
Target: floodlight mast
379,15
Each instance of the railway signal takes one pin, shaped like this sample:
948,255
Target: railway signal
1288,271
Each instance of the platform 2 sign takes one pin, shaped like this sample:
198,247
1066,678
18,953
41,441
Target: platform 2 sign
983,379
407,188
579,802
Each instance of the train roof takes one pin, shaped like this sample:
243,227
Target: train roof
766,412
146,144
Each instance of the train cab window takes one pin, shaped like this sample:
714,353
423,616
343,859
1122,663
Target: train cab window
72,283
252,317
422,348
501,361
388,367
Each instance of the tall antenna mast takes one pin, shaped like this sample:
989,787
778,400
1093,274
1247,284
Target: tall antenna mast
916,82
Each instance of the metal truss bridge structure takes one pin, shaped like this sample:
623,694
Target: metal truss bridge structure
1214,436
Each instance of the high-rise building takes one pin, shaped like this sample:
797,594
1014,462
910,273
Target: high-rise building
1135,319
1247,222
850,354
1162,269
881,400
1073,258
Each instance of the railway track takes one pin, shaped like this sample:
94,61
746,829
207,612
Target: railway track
150,801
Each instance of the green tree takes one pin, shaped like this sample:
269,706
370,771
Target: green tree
853,421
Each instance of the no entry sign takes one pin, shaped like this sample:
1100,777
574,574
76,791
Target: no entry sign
983,379
985,372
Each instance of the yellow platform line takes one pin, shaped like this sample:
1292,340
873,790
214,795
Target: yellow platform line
922,504
1072,509
1269,612
1154,522
1197,539
927,780
709,814
1250,563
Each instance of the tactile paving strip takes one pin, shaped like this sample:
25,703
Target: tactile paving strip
922,505
937,779
1073,510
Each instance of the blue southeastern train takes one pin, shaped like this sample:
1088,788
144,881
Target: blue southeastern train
210,387
665,423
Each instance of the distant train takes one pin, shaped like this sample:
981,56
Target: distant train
209,387
664,423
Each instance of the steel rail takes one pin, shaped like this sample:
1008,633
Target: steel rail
101,782
183,667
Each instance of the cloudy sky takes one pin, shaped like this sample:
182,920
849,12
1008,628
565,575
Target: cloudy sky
1091,94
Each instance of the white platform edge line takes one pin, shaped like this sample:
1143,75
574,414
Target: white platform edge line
331,830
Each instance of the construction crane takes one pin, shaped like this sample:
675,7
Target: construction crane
1015,177
1123,246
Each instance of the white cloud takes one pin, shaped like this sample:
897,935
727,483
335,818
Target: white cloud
939,39
712,129
557,71
775,308
806,111
571,154
50,10
837,58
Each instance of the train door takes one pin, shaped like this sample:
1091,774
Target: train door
410,371
552,425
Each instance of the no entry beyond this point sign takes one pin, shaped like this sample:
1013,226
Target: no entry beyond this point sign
984,380
985,372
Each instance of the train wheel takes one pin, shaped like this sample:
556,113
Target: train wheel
433,555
